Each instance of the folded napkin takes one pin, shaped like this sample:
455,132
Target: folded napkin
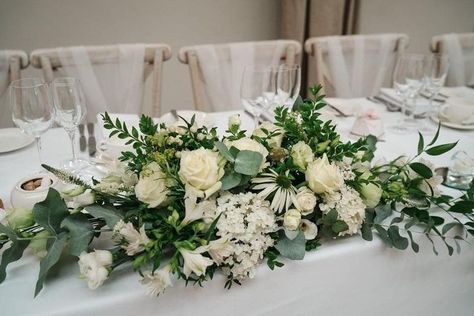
368,123
459,92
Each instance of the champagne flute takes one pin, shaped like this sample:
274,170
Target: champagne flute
69,111
258,90
408,82
31,107
288,85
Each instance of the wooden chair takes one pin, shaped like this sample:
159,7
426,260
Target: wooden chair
374,65
155,54
460,50
265,51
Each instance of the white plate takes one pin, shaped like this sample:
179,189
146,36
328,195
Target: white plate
12,139
453,125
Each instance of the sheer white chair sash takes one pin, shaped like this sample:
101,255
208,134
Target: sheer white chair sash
461,60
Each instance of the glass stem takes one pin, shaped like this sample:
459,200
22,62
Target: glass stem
38,147
72,135
255,120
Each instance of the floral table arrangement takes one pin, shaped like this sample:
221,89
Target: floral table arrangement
187,203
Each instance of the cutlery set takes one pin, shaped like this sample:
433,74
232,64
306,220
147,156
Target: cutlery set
88,143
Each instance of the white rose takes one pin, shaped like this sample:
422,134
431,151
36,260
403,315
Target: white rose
202,169
302,155
274,141
93,267
252,145
234,120
309,229
152,186
157,281
371,193
306,201
194,261
323,177
136,240
292,219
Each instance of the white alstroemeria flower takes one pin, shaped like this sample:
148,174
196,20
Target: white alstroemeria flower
85,198
136,240
158,281
93,267
194,210
194,261
220,249
309,229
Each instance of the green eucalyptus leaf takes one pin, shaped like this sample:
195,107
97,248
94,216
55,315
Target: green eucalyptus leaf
339,226
421,169
447,227
440,149
398,241
464,207
80,232
12,254
224,151
248,162
292,249
382,212
110,214
230,180
383,235
51,212
414,245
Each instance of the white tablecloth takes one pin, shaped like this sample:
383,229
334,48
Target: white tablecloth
345,277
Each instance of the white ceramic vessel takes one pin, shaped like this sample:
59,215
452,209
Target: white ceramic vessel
20,197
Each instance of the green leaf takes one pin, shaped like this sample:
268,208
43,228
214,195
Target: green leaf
421,169
330,218
440,149
12,254
51,212
230,180
398,241
421,143
447,227
292,249
414,245
224,151
298,103
366,228
464,207
211,229
339,226
383,235
248,162
80,232
52,257
435,137
110,214
382,212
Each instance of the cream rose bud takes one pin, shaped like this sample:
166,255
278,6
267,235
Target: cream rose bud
323,177
309,229
252,145
274,141
202,169
306,201
234,120
152,186
93,267
302,155
371,193
292,219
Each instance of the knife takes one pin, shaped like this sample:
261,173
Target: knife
82,138
91,140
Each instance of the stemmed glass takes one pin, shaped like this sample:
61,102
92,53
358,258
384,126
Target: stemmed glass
408,82
69,111
258,90
288,85
31,107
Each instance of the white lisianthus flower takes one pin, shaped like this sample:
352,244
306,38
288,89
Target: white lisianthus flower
302,155
370,192
136,240
234,120
194,261
323,177
246,143
157,282
219,250
93,267
305,201
194,210
292,219
202,169
274,141
152,186
309,229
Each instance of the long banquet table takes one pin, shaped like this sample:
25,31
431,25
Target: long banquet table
348,276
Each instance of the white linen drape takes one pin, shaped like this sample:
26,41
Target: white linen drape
461,61
115,86
358,69
222,67
5,113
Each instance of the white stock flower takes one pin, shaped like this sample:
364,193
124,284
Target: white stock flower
246,143
274,141
234,120
292,219
157,282
194,261
194,210
93,267
323,177
136,240
302,155
152,186
305,201
202,169
309,229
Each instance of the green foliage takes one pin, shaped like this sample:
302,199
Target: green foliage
248,162
80,232
110,214
51,212
12,254
293,249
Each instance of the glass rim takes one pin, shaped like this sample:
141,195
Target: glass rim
27,83
65,80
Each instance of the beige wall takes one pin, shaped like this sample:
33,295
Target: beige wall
30,24
420,19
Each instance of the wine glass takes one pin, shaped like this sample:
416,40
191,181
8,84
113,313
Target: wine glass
258,90
408,82
69,111
288,85
436,71
31,107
